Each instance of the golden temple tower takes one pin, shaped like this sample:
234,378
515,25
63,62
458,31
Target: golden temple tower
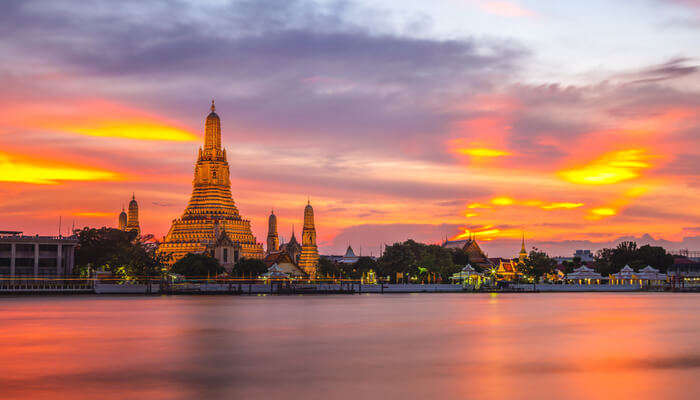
132,220
211,211
523,253
308,260
122,220
273,241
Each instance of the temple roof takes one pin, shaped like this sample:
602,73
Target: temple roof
349,253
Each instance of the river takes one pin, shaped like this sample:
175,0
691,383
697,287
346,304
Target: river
413,346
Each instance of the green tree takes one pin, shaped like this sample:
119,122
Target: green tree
537,264
252,267
103,248
129,257
416,259
363,265
609,261
197,266
460,257
327,268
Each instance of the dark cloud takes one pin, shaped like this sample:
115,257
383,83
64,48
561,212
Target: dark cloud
294,69
671,69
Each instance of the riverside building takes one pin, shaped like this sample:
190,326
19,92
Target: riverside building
36,256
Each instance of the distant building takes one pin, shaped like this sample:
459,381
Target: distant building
122,220
293,248
132,220
350,257
285,263
686,268
585,255
477,257
40,256
308,259
273,240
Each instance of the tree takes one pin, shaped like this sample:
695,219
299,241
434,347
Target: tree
362,266
414,259
609,261
537,264
252,267
129,257
327,268
103,248
460,257
197,266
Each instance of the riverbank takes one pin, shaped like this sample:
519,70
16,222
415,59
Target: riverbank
308,288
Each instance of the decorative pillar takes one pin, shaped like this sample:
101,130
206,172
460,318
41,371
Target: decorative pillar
13,254
59,259
36,259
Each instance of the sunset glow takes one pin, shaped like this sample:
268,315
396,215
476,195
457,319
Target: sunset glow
19,170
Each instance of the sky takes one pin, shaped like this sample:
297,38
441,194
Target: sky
575,124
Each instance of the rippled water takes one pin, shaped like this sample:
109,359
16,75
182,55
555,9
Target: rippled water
525,346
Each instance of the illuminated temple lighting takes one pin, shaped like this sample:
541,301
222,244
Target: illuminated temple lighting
611,168
27,171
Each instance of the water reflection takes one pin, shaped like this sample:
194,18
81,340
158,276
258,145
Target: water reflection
572,346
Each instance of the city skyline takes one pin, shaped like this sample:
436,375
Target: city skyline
398,122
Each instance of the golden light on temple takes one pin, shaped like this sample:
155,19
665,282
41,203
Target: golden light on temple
24,170
611,168
482,152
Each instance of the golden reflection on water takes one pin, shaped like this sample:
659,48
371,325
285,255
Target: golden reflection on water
525,346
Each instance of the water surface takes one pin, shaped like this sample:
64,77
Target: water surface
449,346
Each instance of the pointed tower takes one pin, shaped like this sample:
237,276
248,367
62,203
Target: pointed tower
132,219
523,253
308,260
273,241
122,220
210,205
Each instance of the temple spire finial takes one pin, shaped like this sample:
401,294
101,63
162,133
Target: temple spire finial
213,107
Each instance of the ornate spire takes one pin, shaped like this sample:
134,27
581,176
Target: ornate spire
273,241
212,132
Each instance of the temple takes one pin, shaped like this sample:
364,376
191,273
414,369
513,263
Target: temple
476,255
308,259
211,219
132,220
273,241
523,253
122,220
293,248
